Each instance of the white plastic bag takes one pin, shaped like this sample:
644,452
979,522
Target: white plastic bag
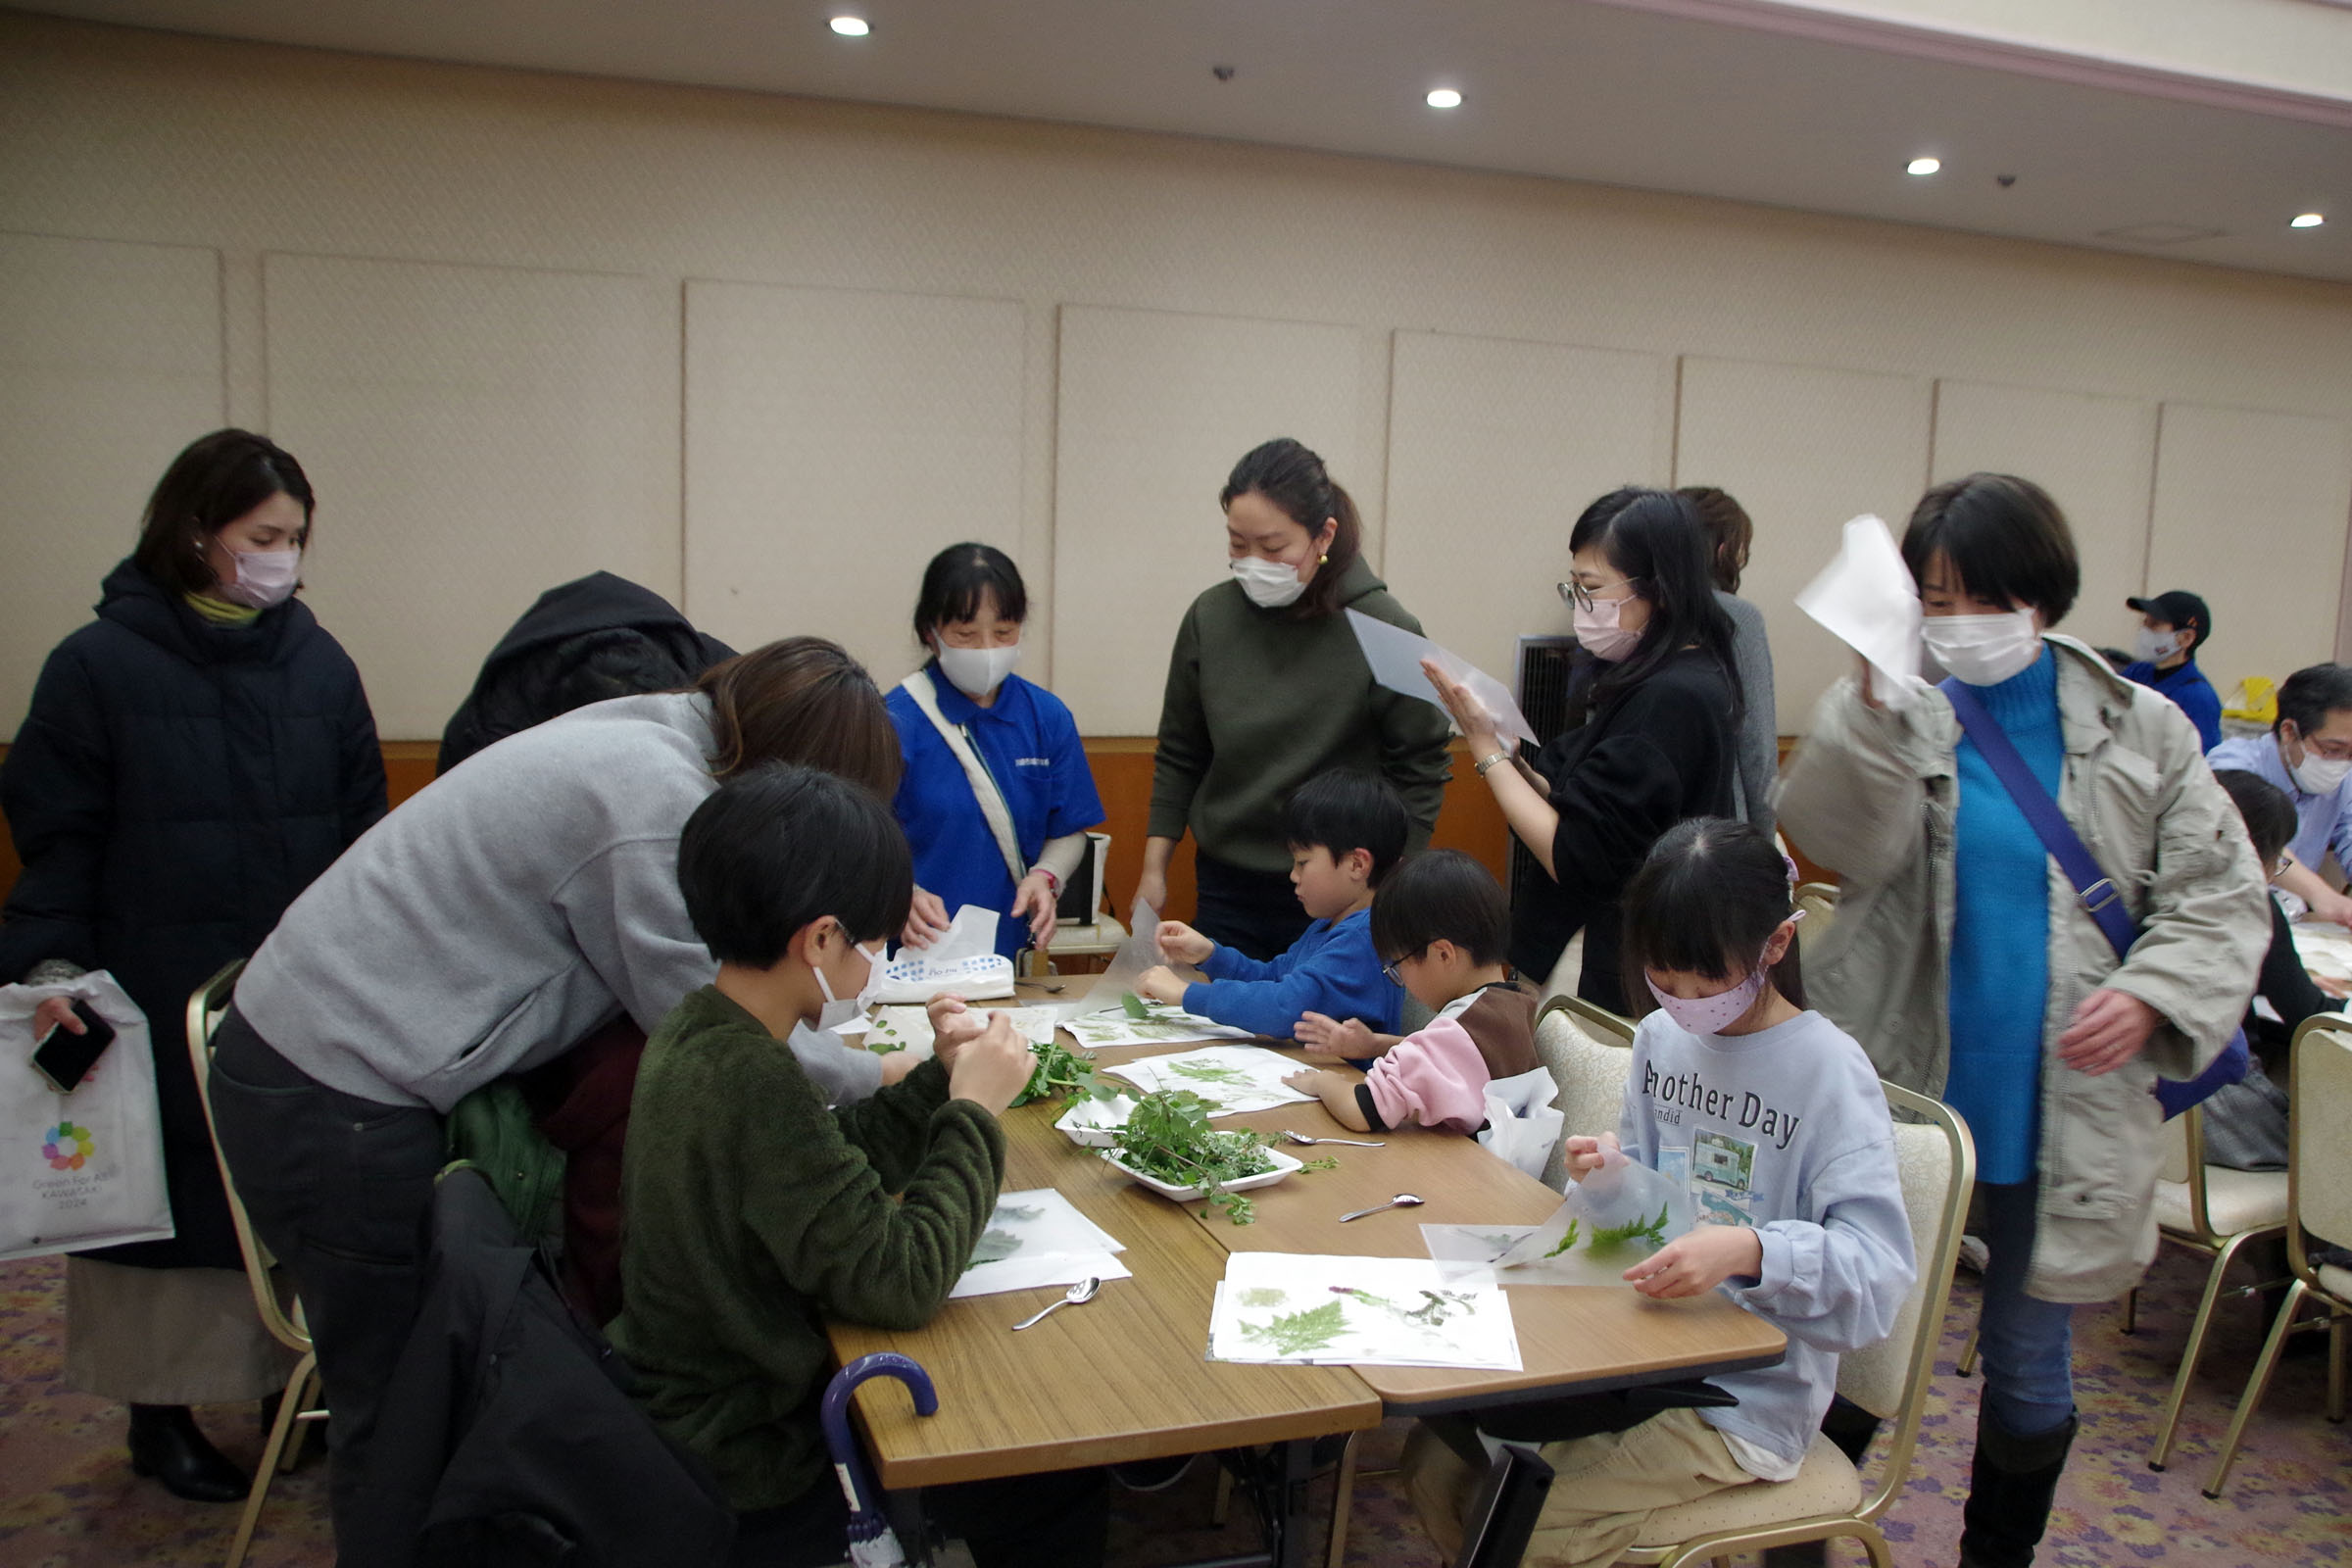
81,1169
1522,1127
966,963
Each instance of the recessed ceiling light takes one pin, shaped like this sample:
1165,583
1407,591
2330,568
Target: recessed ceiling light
1445,98
850,26
2307,220
1923,165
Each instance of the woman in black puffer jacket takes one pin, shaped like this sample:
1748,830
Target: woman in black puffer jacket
192,759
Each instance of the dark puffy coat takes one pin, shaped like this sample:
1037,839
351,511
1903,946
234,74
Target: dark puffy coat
583,641
173,787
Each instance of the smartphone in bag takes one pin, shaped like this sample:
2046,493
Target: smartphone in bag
64,1058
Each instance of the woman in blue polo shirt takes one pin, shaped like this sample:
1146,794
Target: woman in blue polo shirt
996,796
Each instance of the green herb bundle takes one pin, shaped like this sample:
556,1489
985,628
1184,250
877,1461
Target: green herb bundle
1167,1137
1061,1071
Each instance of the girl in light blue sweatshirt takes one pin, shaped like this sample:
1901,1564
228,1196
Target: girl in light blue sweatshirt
1773,1119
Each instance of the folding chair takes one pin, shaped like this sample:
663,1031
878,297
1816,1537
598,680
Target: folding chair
1585,1049
205,1011
2319,1176
1819,900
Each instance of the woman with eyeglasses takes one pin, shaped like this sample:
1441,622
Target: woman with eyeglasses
1658,744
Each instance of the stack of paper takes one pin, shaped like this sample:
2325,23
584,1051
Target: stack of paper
1233,1079
1310,1309
1039,1238
1161,1025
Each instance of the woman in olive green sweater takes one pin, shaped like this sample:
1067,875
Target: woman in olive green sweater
753,1213
1267,688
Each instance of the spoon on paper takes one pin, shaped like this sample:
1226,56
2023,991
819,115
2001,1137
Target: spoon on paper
1301,1138
1077,1294
1400,1200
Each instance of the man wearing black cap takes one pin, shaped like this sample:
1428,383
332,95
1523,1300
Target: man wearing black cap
2172,629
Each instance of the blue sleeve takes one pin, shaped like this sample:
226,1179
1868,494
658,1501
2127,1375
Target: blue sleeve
1225,963
1076,806
2203,706
1341,978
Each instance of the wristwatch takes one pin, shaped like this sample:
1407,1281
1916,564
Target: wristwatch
1502,755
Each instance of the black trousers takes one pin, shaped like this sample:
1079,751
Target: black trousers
1252,912
1056,1520
339,1189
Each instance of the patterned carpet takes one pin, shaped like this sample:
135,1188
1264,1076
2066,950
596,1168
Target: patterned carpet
68,1501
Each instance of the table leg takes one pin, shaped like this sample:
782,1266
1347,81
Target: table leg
1276,1481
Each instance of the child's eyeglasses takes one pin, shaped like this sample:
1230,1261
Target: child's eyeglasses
1388,971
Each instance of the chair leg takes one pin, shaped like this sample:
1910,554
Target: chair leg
2335,1367
1222,1509
2255,1387
1342,1497
2195,1347
1968,1356
267,1471
307,1399
2132,1310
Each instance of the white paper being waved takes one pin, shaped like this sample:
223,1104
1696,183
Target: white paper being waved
1396,655
966,963
1867,600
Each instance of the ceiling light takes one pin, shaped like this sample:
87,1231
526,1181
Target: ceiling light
2307,220
1445,98
1923,165
850,26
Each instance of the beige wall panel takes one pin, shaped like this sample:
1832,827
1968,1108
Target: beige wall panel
110,363
1155,411
1802,449
835,441
2250,512
477,435
2096,457
1493,449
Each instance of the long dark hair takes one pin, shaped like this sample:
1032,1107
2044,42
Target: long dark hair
1705,901
1292,477
801,700
1656,538
215,481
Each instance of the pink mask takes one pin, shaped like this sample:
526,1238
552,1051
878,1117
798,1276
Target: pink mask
1598,629
1712,1015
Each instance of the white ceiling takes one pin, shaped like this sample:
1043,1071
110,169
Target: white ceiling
1616,93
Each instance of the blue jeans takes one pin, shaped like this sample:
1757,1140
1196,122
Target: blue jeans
2027,1345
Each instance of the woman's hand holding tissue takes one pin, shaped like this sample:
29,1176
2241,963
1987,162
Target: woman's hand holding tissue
926,920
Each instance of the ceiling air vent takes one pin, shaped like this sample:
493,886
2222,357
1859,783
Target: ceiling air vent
2159,233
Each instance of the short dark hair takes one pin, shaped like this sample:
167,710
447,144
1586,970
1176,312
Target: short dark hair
215,481
2006,539
780,846
1292,477
958,579
1656,538
1705,901
1729,531
1347,809
801,700
2270,817
1441,895
2310,694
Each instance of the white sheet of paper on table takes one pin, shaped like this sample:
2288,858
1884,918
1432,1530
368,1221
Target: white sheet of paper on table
1312,1309
1161,1025
1233,1079
1396,655
1866,599
2324,948
908,1028
1038,1236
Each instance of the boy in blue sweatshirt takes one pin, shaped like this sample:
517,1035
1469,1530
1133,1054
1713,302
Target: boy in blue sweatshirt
1346,829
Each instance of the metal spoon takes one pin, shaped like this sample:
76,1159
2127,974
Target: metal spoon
1077,1294
1301,1138
1400,1200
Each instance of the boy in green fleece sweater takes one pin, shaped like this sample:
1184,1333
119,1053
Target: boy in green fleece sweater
754,1211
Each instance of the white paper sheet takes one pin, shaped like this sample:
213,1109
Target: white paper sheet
1140,951
2325,948
1163,1025
1047,1268
908,1028
1867,600
1311,1309
1233,1079
1396,655
1038,1236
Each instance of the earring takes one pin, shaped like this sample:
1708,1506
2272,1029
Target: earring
1323,560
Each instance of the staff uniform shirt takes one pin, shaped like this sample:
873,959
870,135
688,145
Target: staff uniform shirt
1029,744
2321,820
2192,693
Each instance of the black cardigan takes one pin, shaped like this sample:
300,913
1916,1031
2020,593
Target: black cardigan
173,787
1647,758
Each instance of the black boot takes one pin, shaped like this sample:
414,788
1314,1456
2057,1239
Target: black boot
2010,1488
166,1443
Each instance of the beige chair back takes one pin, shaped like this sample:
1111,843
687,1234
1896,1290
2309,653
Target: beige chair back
2319,1158
206,1009
1587,1052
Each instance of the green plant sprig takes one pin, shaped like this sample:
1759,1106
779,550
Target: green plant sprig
1061,1070
1607,1238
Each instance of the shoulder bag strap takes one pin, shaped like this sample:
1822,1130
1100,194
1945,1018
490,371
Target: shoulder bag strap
993,808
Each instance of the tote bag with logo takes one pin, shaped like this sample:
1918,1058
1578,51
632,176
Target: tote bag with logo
81,1169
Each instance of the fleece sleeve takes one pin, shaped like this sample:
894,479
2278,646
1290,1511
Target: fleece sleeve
1182,755
1837,1281
1340,979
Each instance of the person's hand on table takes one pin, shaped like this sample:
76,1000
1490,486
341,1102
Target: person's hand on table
1337,1092
1697,1261
56,1012
1036,898
1585,1155
2331,986
926,920
991,1067
1182,943
2108,1029
952,1024
1468,714
2332,906
1327,1036
1161,984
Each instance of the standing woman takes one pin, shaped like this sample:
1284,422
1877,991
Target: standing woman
192,759
1267,687
1728,533
1659,745
996,796
1968,970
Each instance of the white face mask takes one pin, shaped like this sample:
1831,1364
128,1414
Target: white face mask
978,672
2317,775
1982,649
2153,647
264,577
1270,584
835,1012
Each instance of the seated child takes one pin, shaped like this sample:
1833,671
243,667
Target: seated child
1346,829
753,1213
1443,925
1798,1178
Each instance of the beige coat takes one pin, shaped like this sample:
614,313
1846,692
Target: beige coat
1872,794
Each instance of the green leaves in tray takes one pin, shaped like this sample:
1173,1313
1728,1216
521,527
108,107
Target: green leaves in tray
1167,1137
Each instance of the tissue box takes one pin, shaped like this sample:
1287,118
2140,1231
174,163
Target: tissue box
916,978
